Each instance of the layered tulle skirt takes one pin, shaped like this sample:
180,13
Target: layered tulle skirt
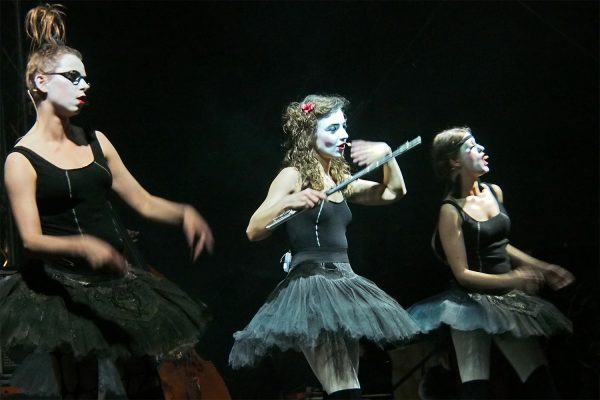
515,312
318,298
45,309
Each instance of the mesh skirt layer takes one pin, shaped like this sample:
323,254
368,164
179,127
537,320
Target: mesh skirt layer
515,312
139,314
319,298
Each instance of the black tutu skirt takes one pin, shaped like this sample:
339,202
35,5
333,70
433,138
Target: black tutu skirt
46,309
515,312
321,297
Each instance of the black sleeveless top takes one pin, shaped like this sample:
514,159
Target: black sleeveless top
75,201
319,234
485,241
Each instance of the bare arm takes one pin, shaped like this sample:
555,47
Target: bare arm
391,189
196,229
20,180
284,194
452,239
556,276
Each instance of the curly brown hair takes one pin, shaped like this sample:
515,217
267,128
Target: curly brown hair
45,27
300,128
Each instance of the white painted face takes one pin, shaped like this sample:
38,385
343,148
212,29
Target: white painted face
331,135
66,92
473,157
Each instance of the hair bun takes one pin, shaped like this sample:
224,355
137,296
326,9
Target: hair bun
45,25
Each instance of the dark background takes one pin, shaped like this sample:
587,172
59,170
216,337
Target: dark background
191,95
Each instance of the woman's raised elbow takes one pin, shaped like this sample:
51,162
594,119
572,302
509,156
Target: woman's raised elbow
254,235
251,234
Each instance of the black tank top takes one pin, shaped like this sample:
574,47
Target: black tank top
485,241
75,201
319,234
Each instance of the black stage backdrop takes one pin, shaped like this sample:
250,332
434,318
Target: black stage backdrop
191,94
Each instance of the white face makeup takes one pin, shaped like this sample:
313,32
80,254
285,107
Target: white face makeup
68,97
331,135
472,157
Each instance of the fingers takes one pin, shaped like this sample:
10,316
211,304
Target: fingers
210,242
197,233
190,235
197,249
314,197
202,238
363,152
308,198
111,260
119,264
359,152
558,277
531,279
205,240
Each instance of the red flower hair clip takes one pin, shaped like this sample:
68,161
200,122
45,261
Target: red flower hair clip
308,107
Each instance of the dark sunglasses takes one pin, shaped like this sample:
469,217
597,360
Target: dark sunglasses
74,76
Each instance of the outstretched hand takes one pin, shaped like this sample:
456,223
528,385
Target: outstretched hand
557,277
364,153
528,279
101,255
197,232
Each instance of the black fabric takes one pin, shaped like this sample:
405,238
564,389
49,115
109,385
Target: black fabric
540,385
62,306
347,394
304,270
321,295
319,234
43,309
477,389
75,201
485,241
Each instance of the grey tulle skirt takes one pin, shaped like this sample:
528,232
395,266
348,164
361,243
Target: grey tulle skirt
43,310
515,312
316,298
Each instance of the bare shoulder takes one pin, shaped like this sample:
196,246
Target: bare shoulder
289,173
17,167
497,191
107,147
450,219
288,177
30,141
102,139
448,212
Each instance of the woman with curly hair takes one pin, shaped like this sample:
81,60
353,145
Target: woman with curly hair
322,307
82,301
490,301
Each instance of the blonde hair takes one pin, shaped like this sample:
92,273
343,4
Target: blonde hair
45,27
300,127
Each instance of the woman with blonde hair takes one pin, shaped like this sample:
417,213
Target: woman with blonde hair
490,300
322,307
83,301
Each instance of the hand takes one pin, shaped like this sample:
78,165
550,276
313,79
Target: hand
100,254
365,153
197,232
307,198
557,277
528,279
